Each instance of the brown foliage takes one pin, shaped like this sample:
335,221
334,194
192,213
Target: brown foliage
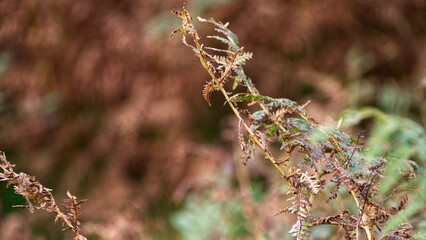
89,96
336,150
28,187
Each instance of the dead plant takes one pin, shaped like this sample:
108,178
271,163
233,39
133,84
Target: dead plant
40,197
284,121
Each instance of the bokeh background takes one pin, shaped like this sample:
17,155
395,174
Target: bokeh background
96,98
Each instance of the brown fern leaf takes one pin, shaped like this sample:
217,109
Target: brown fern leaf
282,161
403,203
186,26
285,210
262,140
40,197
310,181
300,205
241,140
344,220
230,60
279,114
333,194
401,206
293,176
208,89
402,233
293,172
73,209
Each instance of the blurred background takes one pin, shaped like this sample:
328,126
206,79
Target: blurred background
96,98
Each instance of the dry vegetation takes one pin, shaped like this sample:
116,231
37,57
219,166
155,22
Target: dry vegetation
95,98
28,187
326,150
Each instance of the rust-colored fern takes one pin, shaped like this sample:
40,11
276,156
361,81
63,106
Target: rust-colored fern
285,122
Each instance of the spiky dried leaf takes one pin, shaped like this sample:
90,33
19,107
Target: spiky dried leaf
302,228
34,192
310,181
287,122
241,139
208,89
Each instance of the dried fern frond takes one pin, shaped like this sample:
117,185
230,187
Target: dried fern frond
73,209
186,26
279,120
35,193
301,230
207,91
310,181
344,220
402,233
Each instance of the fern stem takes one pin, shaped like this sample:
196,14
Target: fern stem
68,223
369,231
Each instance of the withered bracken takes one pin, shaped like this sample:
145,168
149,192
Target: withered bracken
40,197
285,122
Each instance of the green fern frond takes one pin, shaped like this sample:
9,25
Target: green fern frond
220,50
229,34
222,28
226,41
